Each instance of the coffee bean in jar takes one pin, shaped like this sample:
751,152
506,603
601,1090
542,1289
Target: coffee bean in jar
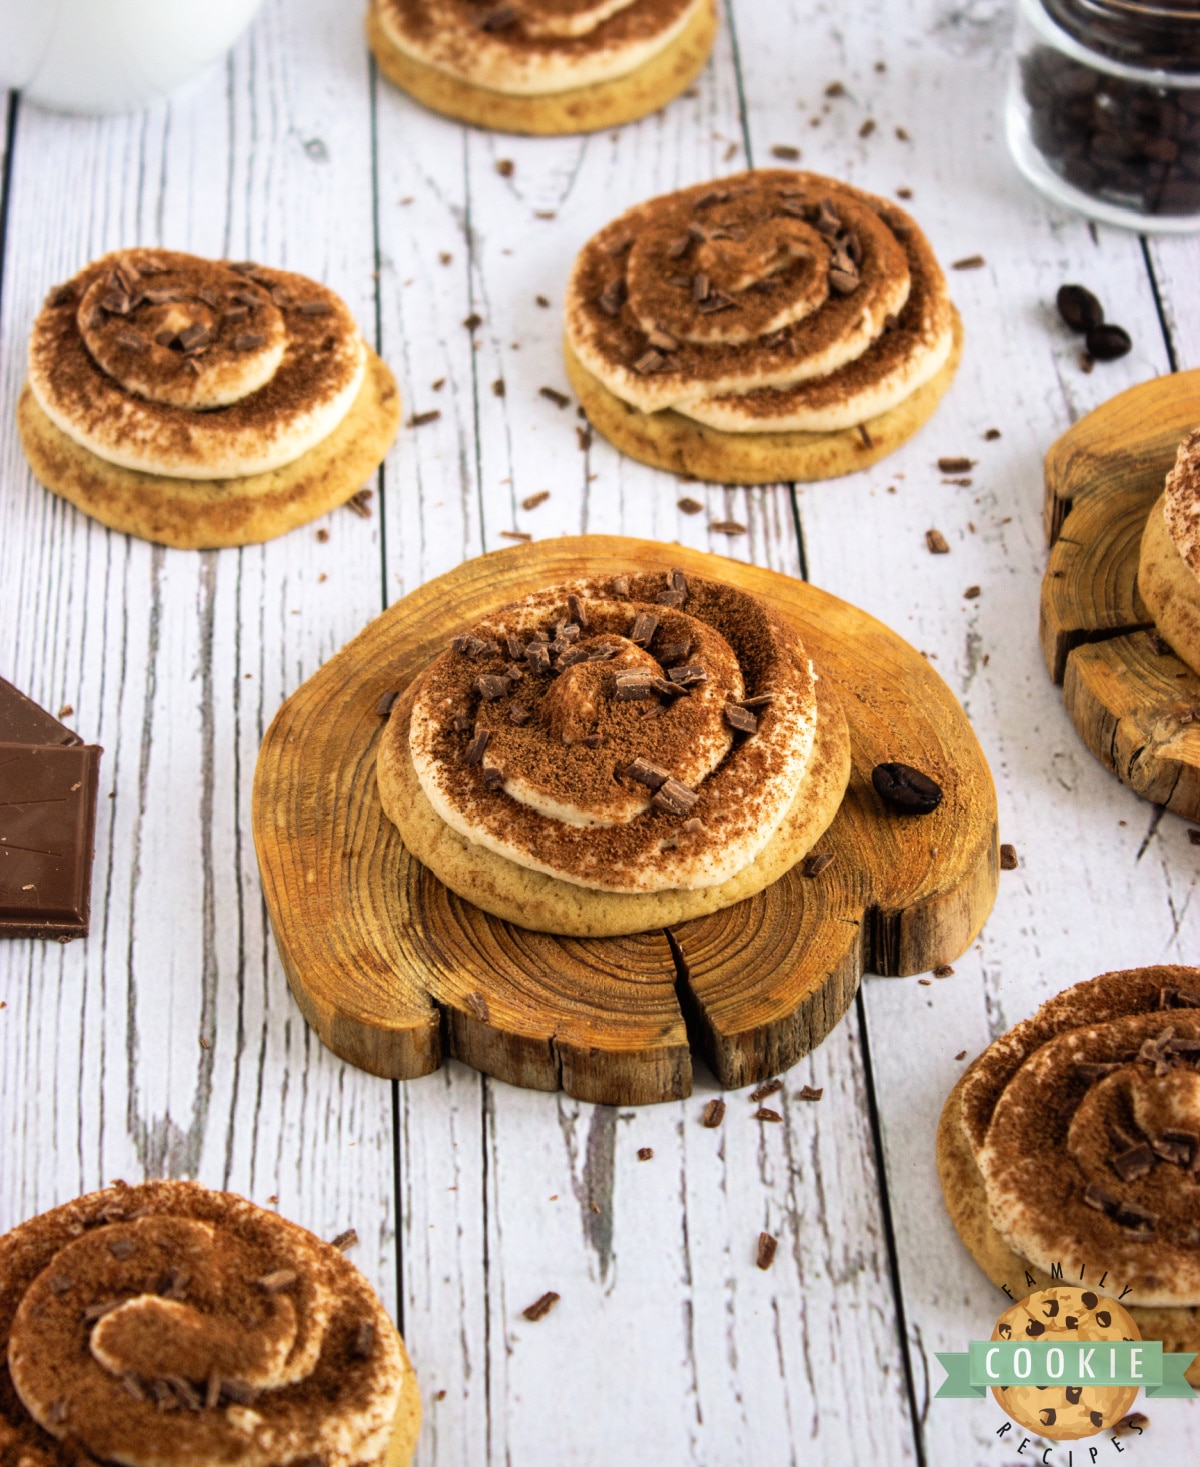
1104,108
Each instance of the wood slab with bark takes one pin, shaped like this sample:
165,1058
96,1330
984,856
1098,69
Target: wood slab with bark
394,972
1135,704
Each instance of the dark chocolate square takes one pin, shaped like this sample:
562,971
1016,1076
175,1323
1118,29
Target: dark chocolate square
47,827
23,722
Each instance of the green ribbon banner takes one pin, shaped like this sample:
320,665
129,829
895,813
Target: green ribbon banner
1053,1363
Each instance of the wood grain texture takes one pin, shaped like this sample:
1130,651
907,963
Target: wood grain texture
1133,702
1129,439
167,1043
601,1017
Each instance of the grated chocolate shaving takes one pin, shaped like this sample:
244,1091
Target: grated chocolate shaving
674,798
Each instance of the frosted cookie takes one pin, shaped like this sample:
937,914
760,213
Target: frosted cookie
1169,567
1074,1141
543,66
612,755
167,1325
775,325
199,403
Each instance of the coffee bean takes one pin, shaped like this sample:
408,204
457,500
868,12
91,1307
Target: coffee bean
1122,140
1079,308
906,789
1107,343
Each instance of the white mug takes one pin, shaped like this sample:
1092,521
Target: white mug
112,55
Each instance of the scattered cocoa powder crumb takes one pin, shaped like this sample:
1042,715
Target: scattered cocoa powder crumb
785,151
689,505
531,501
359,503
498,388
645,1153
521,535
727,527
272,1200
473,322
764,1113
969,262
835,89
65,711
1008,858
867,128
943,970
552,394
766,1250
971,593
1086,361
322,536
961,1055
438,385
545,214
542,301
768,1087
955,464
583,437
902,134
992,434
445,257
505,167
818,862
439,1395
925,982
810,1092
541,1307
714,1113
904,193
1194,837
345,1240
936,542
418,420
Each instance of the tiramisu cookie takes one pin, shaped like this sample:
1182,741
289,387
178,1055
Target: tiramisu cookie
542,66
616,754
199,403
1073,1144
166,1325
776,325
1169,568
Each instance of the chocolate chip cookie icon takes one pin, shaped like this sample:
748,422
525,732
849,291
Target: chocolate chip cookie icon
1066,1315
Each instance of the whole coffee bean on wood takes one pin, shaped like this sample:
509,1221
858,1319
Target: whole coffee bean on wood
1108,342
906,789
1079,308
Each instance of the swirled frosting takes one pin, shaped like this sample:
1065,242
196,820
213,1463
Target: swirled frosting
1085,1122
166,1325
770,301
171,364
1181,504
637,733
535,47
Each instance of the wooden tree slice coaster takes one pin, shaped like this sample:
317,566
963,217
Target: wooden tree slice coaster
395,972
1136,705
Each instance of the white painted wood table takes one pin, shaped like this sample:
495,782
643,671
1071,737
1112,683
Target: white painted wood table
168,1044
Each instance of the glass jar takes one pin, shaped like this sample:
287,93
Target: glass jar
1104,108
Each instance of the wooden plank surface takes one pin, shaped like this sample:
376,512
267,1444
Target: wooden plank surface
167,1043
473,1198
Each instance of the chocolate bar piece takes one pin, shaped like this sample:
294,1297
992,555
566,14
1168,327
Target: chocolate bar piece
47,826
23,722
